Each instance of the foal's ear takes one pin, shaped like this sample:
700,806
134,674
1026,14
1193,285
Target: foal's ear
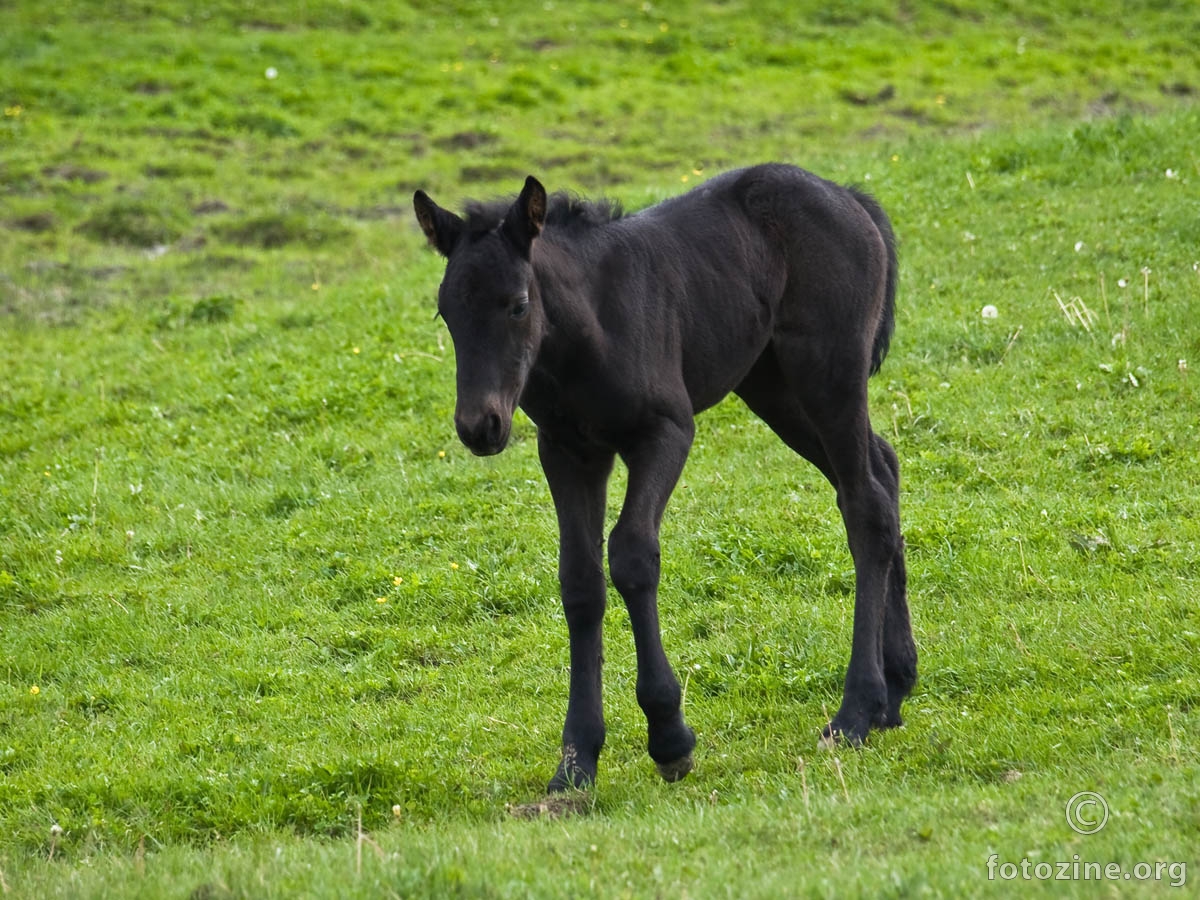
525,220
441,228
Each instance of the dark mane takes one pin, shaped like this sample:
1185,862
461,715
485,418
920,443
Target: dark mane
565,212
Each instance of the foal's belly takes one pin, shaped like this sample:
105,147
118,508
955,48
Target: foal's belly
717,355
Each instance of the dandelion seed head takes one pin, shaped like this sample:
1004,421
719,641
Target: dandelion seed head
272,73
989,312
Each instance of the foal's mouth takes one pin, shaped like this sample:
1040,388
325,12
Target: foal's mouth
487,449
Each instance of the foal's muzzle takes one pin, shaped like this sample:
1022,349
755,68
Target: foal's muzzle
484,433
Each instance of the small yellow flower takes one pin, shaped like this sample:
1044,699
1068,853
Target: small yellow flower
381,599
13,111
895,157
941,100
316,285
684,178
397,581
35,690
454,566
357,351
441,454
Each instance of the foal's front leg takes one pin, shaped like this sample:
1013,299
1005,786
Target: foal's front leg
633,560
577,484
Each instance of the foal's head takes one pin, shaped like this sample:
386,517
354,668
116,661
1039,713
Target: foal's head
490,305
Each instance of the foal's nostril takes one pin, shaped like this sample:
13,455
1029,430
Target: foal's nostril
491,429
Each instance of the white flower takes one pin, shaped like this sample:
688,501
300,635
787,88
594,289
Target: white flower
272,73
1078,246
989,312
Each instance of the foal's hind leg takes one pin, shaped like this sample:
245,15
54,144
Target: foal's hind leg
899,649
828,425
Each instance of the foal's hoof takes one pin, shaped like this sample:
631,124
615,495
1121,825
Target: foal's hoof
676,769
573,774
887,720
833,737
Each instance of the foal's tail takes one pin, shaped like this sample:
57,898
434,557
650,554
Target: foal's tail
887,321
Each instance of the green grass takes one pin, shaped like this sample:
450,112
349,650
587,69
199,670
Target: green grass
253,593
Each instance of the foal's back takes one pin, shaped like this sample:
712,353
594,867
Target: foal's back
704,281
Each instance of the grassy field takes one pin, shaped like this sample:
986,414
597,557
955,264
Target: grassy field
267,630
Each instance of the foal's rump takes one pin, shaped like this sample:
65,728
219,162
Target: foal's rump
838,252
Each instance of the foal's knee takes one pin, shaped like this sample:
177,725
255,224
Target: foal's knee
633,562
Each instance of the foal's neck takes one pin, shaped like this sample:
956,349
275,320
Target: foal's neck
564,279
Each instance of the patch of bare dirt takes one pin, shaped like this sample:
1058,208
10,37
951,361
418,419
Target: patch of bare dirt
465,140
71,172
554,806
36,223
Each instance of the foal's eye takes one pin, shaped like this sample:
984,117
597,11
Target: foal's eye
519,307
